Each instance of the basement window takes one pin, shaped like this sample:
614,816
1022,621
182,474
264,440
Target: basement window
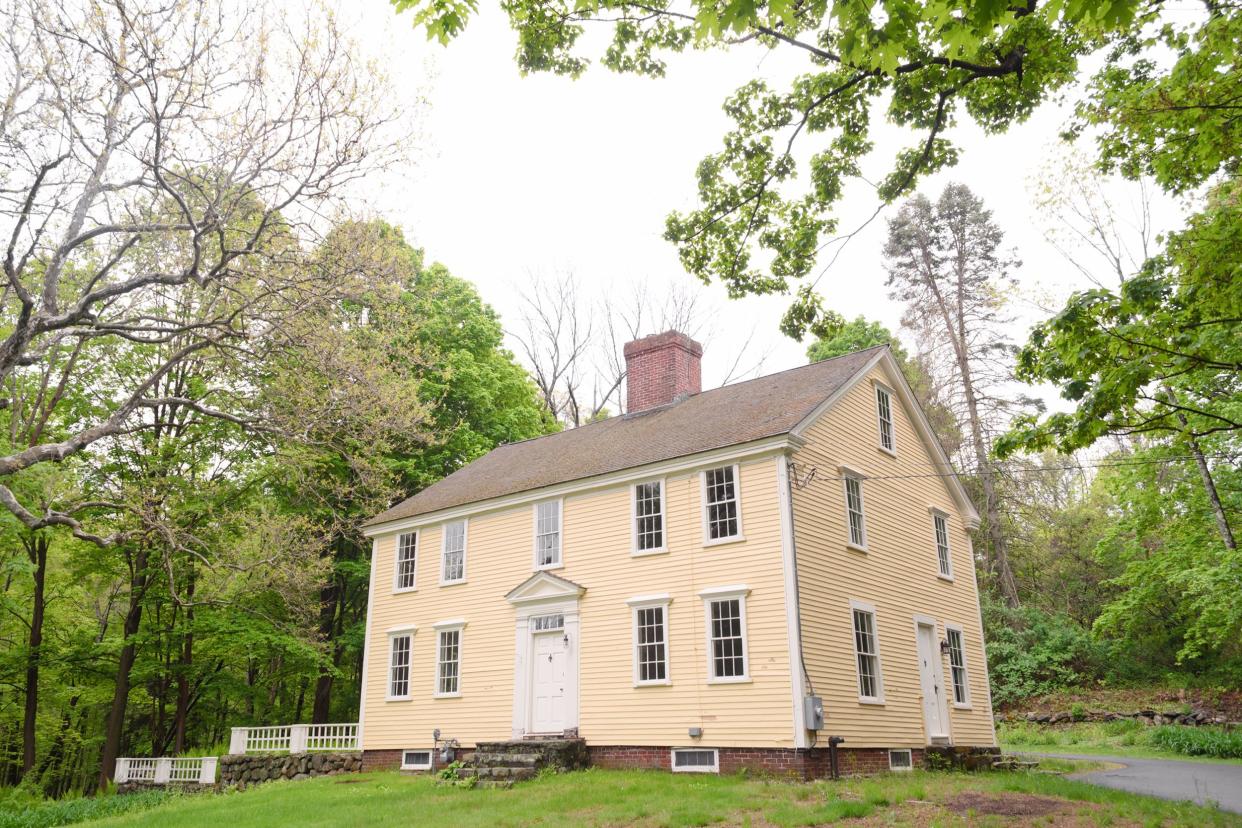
415,760
696,760
900,760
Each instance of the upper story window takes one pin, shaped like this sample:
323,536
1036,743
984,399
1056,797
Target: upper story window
406,561
453,554
448,660
940,523
867,653
399,664
884,411
721,514
854,508
725,616
957,664
547,534
649,517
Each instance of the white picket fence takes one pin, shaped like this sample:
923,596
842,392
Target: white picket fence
298,738
166,769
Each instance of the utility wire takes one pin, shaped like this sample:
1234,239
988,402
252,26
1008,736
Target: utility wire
1021,470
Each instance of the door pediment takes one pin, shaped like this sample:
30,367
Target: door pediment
544,586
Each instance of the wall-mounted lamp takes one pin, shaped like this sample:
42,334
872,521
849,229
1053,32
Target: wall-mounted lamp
944,646
566,638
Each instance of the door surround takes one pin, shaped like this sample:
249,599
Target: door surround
938,703
543,594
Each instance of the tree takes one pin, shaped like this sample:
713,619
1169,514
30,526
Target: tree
926,64
947,266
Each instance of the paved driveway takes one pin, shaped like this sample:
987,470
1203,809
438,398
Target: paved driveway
1202,782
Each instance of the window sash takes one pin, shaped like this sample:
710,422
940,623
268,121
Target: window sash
448,663
884,410
406,561
453,564
720,490
854,507
651,644
957,665
867,651
399,666
548,533
942,545
649,516
728,641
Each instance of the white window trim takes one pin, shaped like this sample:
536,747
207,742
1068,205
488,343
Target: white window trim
848,472
397,589
966,705
465,546
738,591
457,625
560,530
899,768
714,768
879,661
941,513
737,498
640,602
430,758
663,547
397,632
892,421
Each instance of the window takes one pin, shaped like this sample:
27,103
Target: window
867,649
720,514
399,665
407,560
453,555
695,760
415,760
543,623
726,633
547,534
957,664
884,411
854,509
448,661
941,524
649,517
900,760
650,639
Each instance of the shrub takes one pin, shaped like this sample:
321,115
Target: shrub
1199,741
1032,653
79,809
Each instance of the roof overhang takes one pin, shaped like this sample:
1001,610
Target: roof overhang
544,586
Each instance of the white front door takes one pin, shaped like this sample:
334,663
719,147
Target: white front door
931,676
548,673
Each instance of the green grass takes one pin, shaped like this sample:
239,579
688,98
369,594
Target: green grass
609,798
1123,738
20,812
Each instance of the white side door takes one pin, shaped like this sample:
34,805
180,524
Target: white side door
550,661
931,678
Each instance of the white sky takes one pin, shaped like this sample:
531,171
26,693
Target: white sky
547,175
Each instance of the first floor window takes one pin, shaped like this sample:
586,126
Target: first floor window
449,663
957,664
648,516
399,666
548,533
728,642
941,525
720,497
867,651
854,508
454,564
650,640
407,559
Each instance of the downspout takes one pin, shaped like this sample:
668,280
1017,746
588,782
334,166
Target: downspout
807,686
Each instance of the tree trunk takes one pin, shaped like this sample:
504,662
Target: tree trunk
329,599
120,696
36,549
998,549
183,673
1209,485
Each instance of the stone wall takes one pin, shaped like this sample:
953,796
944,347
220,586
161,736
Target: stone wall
1147,717
243,770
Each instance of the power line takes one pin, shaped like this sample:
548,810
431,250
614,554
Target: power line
1032,469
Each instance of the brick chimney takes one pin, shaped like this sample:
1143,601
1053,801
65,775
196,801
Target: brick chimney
660,369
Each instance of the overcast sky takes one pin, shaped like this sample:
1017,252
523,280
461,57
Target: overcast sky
547,175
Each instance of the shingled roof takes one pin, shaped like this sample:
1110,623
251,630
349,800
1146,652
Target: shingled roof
726,416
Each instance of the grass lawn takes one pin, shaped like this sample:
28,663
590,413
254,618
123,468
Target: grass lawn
615,798
1123,738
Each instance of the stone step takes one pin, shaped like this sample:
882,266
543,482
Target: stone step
513,760
514,774
495,783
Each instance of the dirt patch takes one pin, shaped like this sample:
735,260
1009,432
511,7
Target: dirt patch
1007,804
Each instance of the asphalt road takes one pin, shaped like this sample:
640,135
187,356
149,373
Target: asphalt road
1201,782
